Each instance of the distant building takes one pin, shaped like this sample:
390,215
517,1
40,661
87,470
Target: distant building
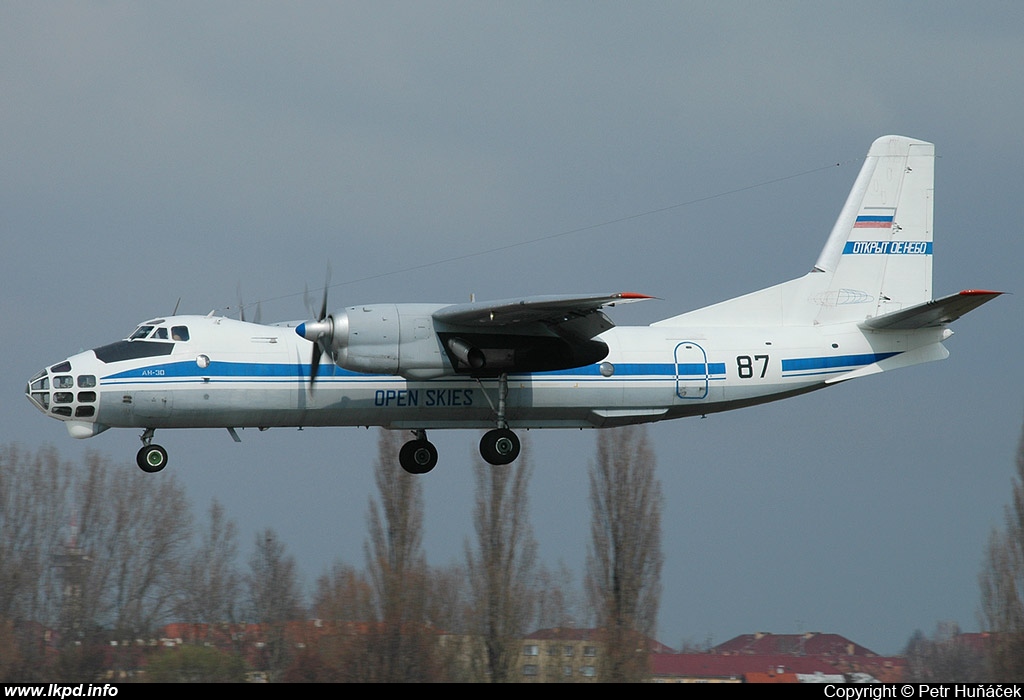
779,658
566,655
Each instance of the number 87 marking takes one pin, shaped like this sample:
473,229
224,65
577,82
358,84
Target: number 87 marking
745,365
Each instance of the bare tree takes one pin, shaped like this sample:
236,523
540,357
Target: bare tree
1002,585
398,570
35,521
275,598
502,565
211,585
34,517
557,599
624,558
137,530
343,595
344,601
449,613
947,657
83,549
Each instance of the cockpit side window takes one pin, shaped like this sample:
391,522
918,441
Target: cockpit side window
160,334
179,333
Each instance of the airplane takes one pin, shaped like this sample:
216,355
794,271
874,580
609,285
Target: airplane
555,361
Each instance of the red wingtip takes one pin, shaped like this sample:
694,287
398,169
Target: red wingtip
633,295
977,292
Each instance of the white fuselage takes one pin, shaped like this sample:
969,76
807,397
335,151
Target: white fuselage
232,374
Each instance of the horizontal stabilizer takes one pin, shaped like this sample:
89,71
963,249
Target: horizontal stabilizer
930,314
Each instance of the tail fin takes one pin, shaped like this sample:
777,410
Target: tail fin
880,251
878,258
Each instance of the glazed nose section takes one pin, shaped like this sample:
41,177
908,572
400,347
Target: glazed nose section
38,391
64,394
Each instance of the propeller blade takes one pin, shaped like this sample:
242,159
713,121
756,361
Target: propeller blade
320,332
327,285
314,365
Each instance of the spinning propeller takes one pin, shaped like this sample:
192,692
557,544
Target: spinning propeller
321,332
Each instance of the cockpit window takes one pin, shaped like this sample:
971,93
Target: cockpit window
141,332
179,333
160,334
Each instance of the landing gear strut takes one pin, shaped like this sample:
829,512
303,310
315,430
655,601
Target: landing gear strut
500,446
151,458
418,456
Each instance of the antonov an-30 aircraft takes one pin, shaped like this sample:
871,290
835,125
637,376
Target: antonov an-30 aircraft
541,361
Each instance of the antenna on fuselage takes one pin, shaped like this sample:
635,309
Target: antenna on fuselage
176,305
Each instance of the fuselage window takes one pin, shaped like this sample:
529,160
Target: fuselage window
179,333
63,382
86,381
63,397
87,396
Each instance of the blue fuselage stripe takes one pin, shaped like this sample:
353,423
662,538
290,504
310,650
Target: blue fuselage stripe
291,372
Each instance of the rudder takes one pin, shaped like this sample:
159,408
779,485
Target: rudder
879,254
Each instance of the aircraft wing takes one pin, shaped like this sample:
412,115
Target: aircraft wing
531,334
579,316
937,312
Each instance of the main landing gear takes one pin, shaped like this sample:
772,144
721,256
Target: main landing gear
151,458
498,447
418,456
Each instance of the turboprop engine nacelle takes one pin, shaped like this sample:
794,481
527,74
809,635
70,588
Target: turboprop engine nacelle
382,339
403,339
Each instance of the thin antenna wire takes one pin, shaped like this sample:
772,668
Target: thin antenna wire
581,229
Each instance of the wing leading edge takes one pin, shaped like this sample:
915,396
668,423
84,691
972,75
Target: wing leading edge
550,310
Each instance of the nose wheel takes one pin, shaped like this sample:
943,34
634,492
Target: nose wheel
151,458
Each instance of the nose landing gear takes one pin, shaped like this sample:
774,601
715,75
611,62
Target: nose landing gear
151,458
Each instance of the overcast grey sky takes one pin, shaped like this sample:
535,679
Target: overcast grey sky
428,151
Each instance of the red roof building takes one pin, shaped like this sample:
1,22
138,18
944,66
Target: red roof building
779,658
